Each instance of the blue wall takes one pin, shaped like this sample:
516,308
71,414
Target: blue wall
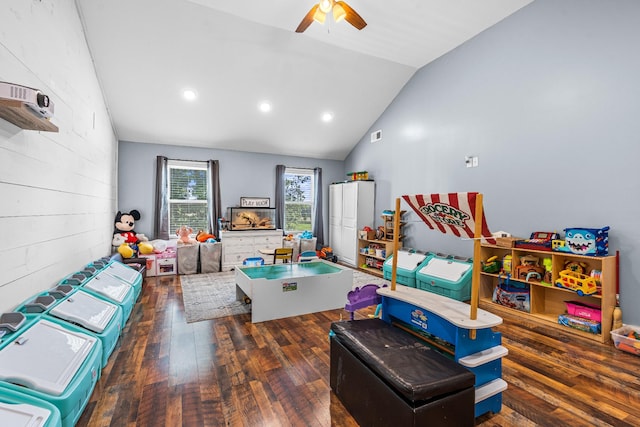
241,174
549,100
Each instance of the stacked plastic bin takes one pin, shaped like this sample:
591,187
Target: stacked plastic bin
65,378
446,275
77,325
407,265
18,409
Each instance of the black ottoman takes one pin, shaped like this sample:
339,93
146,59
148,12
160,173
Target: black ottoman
385,376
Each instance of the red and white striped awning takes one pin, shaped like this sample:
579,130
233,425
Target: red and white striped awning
452,213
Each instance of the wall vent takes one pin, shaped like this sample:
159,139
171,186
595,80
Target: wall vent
376,136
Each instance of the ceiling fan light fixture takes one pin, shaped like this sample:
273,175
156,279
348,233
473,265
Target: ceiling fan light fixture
338,12
319,16
325,6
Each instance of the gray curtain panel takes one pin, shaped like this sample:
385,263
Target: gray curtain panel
280,170
161,219
318,229
215,208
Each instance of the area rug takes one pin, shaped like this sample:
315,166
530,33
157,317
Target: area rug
212,295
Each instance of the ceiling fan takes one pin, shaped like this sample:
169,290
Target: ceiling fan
340,10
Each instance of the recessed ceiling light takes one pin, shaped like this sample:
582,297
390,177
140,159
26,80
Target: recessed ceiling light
327,117
189,94
265,107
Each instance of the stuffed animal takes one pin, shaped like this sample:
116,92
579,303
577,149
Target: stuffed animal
145,248
124,237
202,237
183,235
159,246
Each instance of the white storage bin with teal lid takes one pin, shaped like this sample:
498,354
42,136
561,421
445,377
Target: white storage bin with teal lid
446,275
113,289
19,409
408,263
126,273
53,361
98,316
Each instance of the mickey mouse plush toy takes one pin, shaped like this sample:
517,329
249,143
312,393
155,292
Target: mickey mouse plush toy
124,237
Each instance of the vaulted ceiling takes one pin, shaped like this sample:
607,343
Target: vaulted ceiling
236,55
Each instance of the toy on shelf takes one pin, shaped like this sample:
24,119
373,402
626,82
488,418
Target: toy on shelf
358,176
388,227
529,269
491,265
367,233
576,266
586,241
512,295
547,279
580,323
539,240
581,283
506,264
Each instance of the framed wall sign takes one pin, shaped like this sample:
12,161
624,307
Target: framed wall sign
254,202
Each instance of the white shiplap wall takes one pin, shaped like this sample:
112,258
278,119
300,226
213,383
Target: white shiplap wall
57,190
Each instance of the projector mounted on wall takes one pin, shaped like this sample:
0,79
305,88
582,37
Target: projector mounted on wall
32,98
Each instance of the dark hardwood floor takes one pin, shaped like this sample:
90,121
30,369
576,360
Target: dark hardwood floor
229,372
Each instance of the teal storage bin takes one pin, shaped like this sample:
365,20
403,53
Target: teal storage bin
128,274
56,362
446,276
99,317
19,409
407,266
113,289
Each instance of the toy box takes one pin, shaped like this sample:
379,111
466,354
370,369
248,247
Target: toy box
586,241
188,259
579,323
210,255
408,264
507,242
367,234
516,296
308,245
586,311
627,339
449,276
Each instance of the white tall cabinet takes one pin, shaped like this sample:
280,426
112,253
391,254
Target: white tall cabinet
351,207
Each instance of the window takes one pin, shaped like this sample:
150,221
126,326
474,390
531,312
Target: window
188,190
298,199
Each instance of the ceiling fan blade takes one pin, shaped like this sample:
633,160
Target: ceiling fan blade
307,20
352,16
